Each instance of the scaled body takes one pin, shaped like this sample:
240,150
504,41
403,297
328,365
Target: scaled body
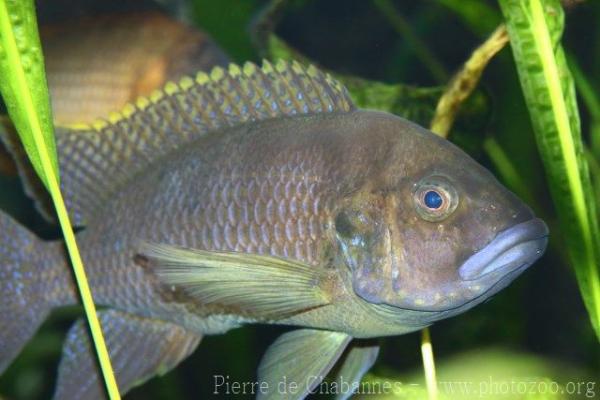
264,196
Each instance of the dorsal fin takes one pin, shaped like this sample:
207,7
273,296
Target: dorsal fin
96,160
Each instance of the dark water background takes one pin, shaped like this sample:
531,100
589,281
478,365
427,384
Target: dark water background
540,314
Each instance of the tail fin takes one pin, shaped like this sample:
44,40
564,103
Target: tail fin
32,280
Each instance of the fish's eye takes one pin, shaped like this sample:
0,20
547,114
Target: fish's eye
435,198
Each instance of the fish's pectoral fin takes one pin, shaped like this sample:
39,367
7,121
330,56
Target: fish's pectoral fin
358,360
260,286
296,363
139,349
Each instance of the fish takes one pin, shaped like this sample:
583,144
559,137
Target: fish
259,195
97,64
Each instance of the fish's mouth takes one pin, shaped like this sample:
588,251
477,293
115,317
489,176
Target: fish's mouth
515,248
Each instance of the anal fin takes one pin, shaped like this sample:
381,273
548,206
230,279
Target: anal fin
139,348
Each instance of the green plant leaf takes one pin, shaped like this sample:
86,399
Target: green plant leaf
23,84
535,28
25,92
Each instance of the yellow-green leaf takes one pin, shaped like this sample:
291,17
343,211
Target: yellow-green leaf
535,28
25,92
23,84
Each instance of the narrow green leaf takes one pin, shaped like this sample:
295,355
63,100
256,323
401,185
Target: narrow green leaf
535,28
23,84
25,92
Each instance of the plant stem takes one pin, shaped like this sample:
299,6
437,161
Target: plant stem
458,91
84,290
465,81
33,126
429,365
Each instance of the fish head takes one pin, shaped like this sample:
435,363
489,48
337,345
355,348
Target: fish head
431,229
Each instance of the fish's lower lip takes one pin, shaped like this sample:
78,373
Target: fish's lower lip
514,248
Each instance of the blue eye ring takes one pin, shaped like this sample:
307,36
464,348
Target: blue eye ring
433,199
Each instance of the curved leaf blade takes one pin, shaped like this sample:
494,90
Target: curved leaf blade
25,91
535,28
23,85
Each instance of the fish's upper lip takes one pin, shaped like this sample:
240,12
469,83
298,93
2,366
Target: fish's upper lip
518,246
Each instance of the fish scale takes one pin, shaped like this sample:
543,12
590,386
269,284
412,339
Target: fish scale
267,229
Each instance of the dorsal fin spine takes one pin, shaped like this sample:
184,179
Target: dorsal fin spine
128,110
310,74
234,70
267,72
202,78
171,88
231,95
186,82
295,71
98,159
245,84
175,100
281,68
218,94
142,102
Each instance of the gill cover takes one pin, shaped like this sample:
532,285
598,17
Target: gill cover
372,246
364,232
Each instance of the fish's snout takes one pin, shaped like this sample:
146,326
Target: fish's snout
515,248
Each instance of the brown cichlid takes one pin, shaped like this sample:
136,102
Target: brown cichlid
260,195
96,65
